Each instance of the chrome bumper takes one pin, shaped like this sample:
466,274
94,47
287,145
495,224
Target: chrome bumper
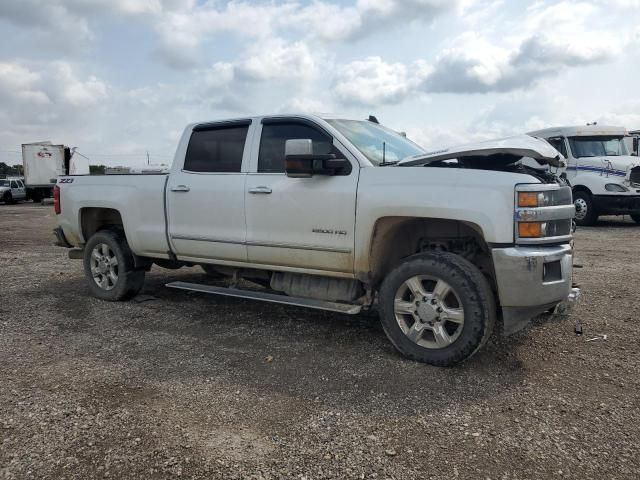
532,280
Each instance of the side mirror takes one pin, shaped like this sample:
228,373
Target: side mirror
301,162
635,145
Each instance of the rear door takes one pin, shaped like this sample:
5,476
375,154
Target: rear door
205,199
299,222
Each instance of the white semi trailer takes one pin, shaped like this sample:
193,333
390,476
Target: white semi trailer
43,162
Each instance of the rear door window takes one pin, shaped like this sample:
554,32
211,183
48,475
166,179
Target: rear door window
216,149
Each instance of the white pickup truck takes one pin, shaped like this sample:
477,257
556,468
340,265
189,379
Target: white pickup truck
341,215
604,177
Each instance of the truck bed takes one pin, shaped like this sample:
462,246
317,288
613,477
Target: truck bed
140,199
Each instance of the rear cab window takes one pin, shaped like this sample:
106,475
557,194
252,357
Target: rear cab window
216,148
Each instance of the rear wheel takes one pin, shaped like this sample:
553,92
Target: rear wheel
109,267
437,308
586,214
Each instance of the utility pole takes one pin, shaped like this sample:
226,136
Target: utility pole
148,158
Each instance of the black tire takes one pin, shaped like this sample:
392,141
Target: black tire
129,281
586,214
36,197
470,288
8,199
635,217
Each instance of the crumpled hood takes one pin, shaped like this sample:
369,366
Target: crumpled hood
518,146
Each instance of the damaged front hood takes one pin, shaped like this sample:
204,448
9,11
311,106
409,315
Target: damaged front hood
516,146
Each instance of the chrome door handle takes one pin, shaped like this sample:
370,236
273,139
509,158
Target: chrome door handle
180,188
260,189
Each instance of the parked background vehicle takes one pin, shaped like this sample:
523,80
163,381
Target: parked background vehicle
340,215
44,162
11,190
604,178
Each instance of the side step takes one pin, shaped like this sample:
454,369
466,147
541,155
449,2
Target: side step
269,297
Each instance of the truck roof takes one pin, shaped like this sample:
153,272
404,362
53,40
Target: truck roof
579,131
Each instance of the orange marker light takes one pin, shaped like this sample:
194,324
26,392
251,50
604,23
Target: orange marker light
530,229
527,199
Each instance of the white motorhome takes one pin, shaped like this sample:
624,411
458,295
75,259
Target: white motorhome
605,179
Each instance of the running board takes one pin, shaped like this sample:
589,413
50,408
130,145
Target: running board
269,297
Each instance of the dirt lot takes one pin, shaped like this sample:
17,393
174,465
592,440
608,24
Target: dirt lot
203,387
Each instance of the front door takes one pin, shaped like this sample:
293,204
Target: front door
300,222
205,200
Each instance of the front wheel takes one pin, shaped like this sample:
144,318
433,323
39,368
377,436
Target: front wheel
8,199
586,214
437,308
109,267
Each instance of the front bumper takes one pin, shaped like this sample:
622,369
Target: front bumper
532,280
616,204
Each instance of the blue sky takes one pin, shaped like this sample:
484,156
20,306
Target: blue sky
118,78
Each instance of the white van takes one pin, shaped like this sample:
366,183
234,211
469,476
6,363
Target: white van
604,177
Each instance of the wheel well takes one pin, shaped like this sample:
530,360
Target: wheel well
396,238
95,219
581,188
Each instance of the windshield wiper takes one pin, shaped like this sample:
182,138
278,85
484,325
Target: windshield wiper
388,164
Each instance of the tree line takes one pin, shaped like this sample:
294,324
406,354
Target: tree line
18,170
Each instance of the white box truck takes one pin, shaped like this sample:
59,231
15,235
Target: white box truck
43,162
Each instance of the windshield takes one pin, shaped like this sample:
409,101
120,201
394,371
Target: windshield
369,138
4,183
597,146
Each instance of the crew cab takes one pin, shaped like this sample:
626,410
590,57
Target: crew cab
340,215
604,177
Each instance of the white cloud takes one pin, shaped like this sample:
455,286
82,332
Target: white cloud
373,81
52,90
278,59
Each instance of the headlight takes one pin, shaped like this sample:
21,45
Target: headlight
543,213
615,187
544,199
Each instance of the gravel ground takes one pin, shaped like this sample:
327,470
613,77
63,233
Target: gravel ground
178,384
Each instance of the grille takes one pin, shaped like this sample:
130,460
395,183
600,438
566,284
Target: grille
634,178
